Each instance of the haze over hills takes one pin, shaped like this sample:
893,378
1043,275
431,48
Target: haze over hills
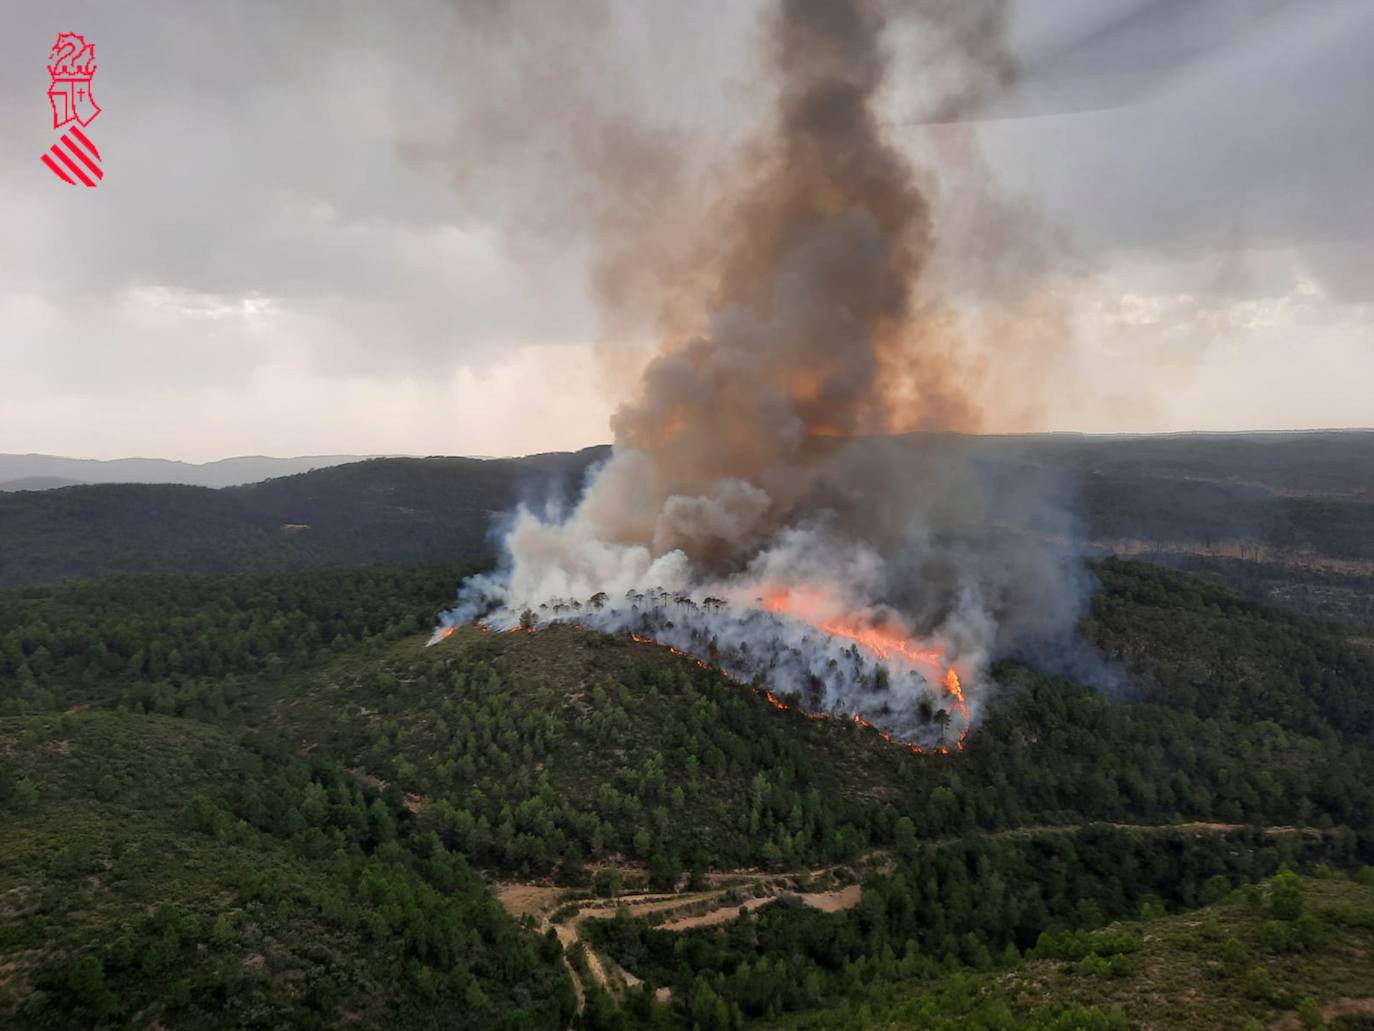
43,472
38,483
1288,516
1335,462
1309,463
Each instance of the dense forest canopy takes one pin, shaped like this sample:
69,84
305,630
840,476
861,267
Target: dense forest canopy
257,798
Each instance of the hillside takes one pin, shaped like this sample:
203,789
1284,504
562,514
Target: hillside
257,779
1316,463
1287,953
38,483
382,510
165,871
1288,518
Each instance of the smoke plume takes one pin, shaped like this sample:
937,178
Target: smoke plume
755,510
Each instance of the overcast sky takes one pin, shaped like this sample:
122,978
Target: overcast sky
268,267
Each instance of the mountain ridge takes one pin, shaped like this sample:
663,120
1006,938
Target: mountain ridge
223,472
1286,517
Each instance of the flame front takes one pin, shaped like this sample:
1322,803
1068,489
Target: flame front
955,691
441,633
951,683
806,635
884,642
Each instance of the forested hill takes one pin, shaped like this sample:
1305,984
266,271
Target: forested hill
1287,517
378,511
259,801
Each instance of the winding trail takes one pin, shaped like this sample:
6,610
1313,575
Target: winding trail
699,909
708,908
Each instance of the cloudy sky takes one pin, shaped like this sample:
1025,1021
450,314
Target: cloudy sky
282,258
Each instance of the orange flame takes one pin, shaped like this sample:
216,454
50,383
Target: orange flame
955,691
881,641
951,684
441,634
871,638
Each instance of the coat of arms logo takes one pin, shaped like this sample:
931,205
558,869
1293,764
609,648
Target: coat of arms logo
71,66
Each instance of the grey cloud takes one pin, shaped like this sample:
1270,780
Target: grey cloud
266,153
251,152
1246,125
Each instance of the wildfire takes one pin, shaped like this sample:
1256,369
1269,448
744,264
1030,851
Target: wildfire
817,608
883,642
442,633
955,691
951,684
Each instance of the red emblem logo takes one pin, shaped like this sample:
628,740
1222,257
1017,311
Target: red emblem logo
71,65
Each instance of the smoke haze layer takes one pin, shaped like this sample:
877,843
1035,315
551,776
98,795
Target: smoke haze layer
750,511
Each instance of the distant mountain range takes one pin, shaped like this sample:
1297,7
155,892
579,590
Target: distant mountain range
45,472
1287,516
1332,463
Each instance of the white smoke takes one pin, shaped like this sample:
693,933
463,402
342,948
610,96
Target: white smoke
742,516
799,619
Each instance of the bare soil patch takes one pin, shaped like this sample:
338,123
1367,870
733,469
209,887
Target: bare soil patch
717,916
534,899
834,901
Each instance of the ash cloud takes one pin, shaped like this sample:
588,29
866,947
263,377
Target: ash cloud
752,505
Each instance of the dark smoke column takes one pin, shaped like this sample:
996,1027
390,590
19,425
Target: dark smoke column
815,301
812,327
